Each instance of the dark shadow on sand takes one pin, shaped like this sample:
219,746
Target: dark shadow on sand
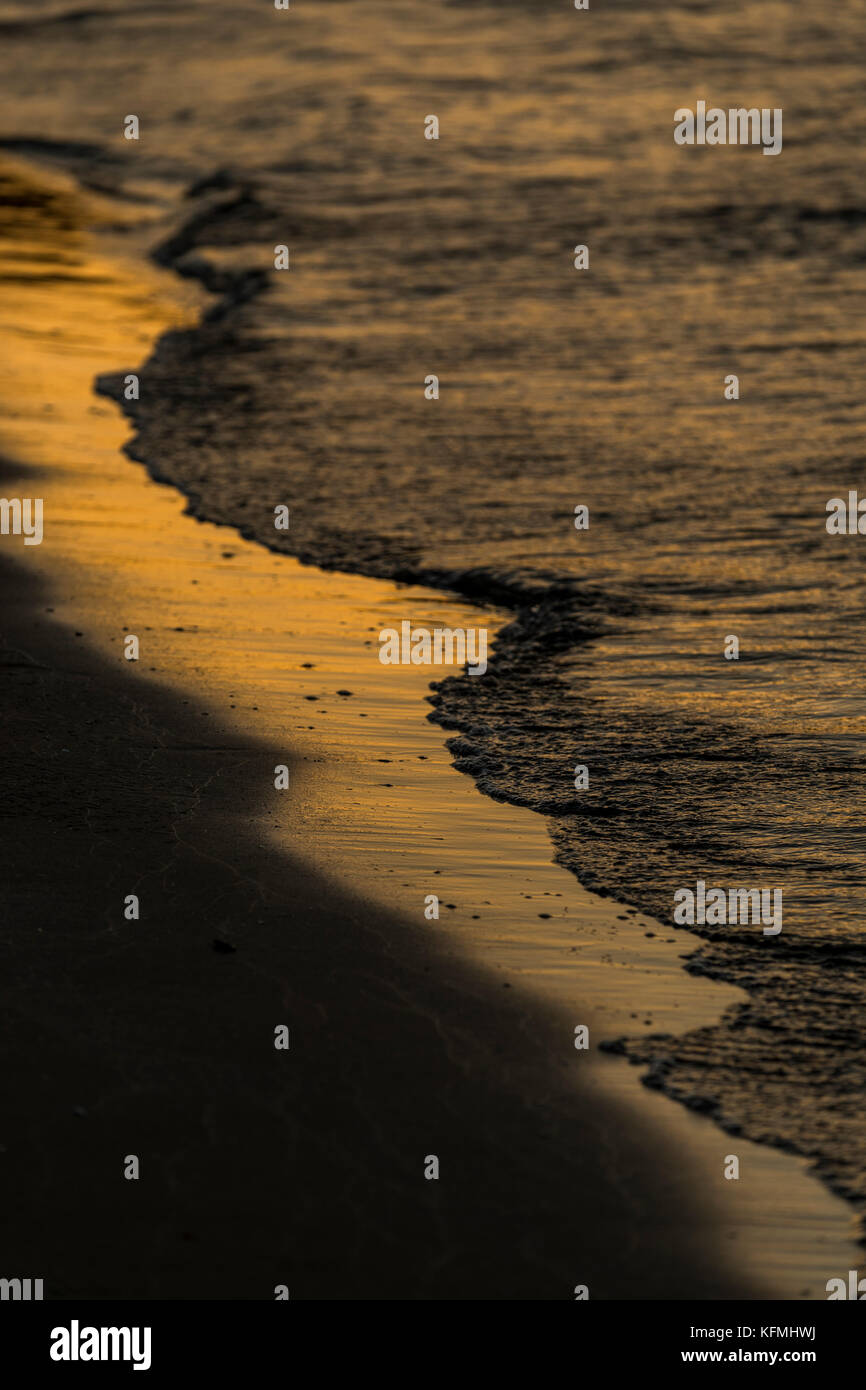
261,1167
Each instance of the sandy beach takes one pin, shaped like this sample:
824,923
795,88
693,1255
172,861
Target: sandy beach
303,907
440,282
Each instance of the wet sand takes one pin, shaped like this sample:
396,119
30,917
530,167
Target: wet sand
408,1037
559,386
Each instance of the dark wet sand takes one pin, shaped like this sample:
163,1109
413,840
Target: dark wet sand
261,1168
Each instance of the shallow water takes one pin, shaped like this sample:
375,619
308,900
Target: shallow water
558,387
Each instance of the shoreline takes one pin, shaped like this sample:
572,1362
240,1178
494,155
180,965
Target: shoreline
182,582
569,674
